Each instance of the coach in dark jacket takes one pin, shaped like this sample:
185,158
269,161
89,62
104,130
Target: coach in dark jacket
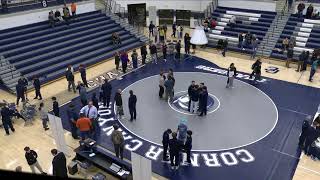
20,93
165,143
188,145
70,79
132,105
203,101
106,89
6,115
59,164
174,150
55,107
144,53
37,86
83,74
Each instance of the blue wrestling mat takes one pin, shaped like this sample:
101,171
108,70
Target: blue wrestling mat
243,139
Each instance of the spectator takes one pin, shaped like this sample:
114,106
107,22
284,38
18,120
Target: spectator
73,116
66,14
74,9
285,44
117,60
43,116
31,157
174,29
161,34
300,61
232,21
153,52
289,57
118,102
20,93
124,61
206,24
59,164
57,15
314,68
178,50
132,106
240,40
118,141
165,29
248,38
6,115
70,79
37,86
55,107
187,43
174,149
106,90
164,51
309,12
134,57
52,19
143,52
83,74
24,82
4,6
254,48
213,23
116,39
84,125
225,47
151,27
300,8
165,143
305,61
292,41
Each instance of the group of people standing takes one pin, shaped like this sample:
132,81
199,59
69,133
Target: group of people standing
180,141
166,85
198,98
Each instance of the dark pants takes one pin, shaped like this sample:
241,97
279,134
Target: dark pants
161,91
84,134
312,72
133,113
20,97
165,151
173,33
45,123
7,125
144,57
189,104
164,54
84,102
106,101
38,93
302,139
188,151
124,67
187,49
307,146
178,55
118,148
117,66
150,32
174,156
74,129
84,80
224,52
71,83
74,14
203,110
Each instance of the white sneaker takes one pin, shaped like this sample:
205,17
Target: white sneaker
172,167
177,167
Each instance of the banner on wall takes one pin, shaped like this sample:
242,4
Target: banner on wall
58,133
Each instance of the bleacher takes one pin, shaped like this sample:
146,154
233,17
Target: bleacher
253,21
39,50
306,33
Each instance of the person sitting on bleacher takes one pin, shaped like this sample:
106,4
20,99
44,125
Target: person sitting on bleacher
285,44
116,39
213,23
52,19
248,38
309,12
232,21
66,14
300,8
57,15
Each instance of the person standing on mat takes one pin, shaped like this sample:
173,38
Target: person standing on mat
165,143
59,164
83,74
106,89
232,73
203,101
118,102
169,84
134,57
190,88
161,84
178,50
187,43
143,52
194,99
37,86
31,157
118,141
73,116
182,131
55,107
132,106
303,135
174,150
188,146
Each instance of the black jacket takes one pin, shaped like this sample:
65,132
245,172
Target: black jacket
174,146
165,138
59,165
69,76
153,49
6,114
23,82
188,144
31,157
178,47
106,89
204,99
95,102
132,101
56,108
235,71
117,59
83,72
143,50
118,99
20,90
194,94
36,83
190,90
